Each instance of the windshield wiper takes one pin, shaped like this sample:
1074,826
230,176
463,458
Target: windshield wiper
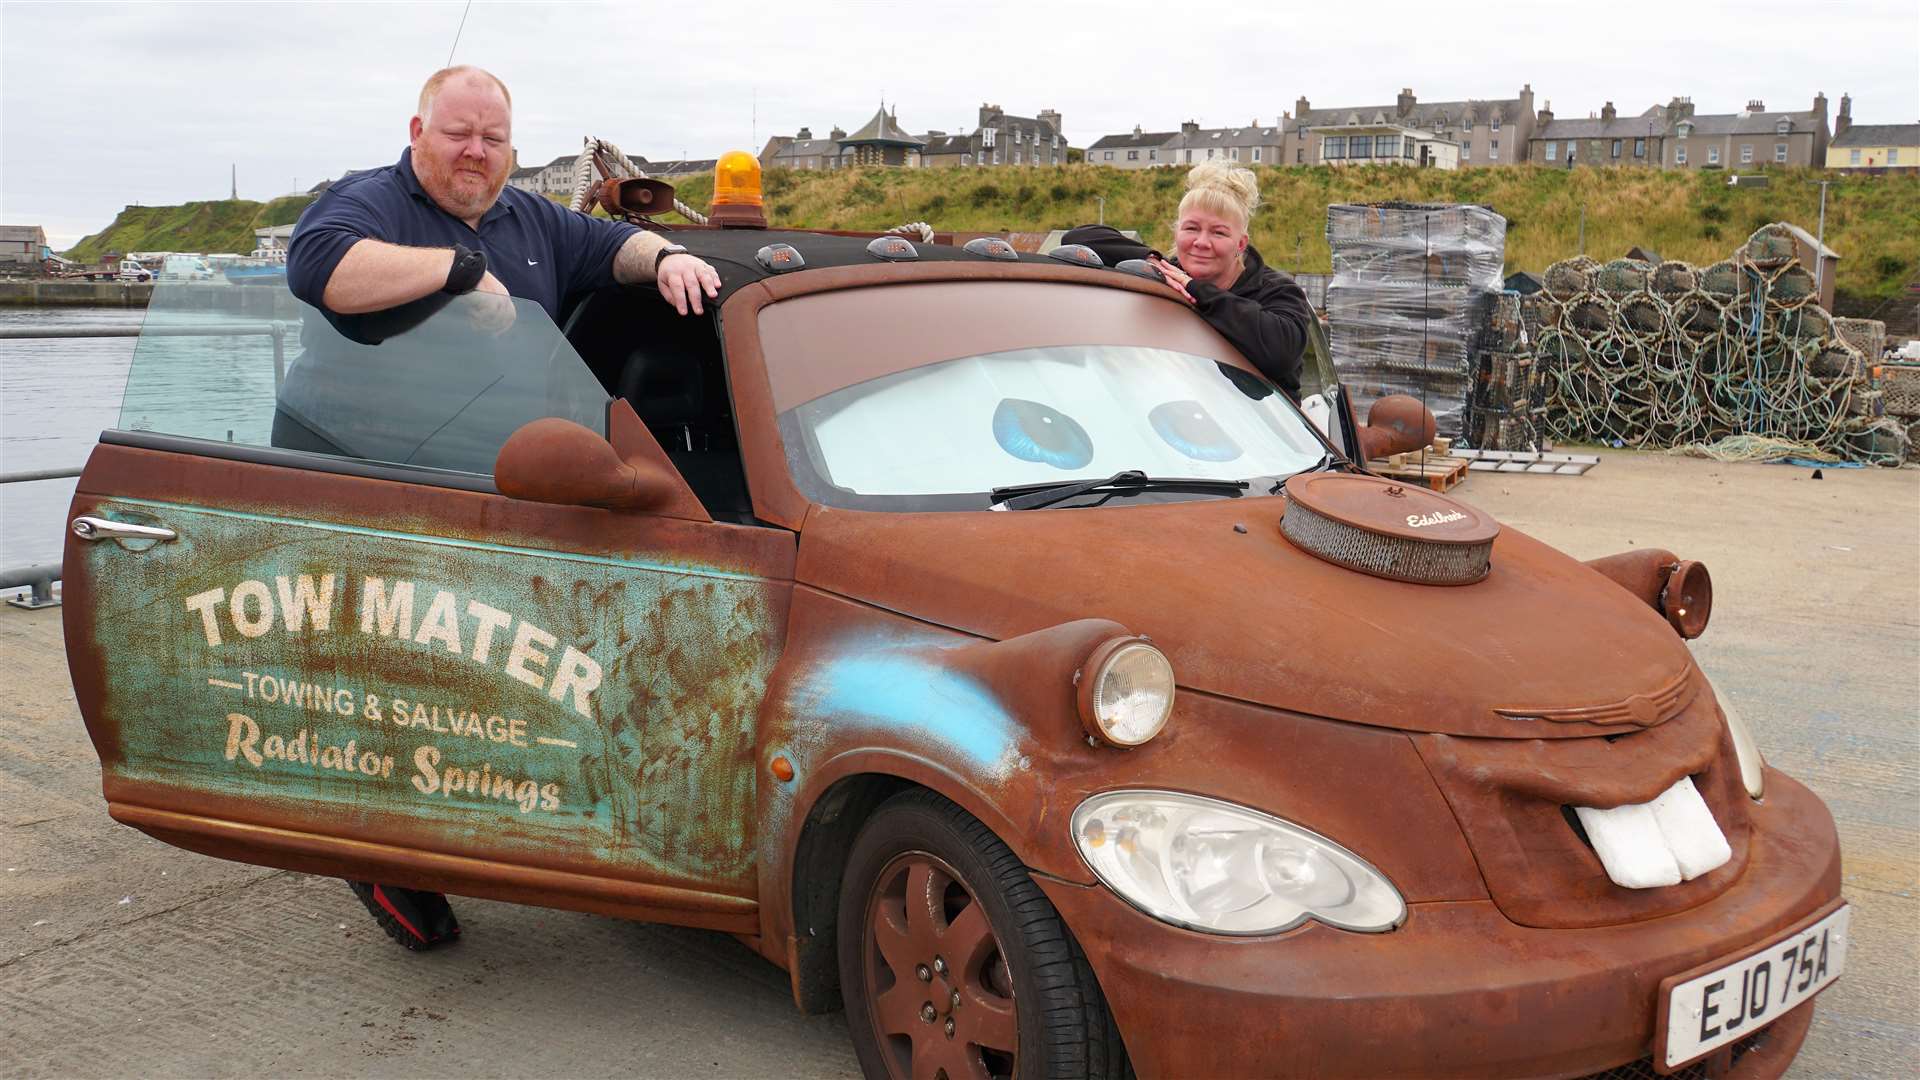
1327,461
1035,496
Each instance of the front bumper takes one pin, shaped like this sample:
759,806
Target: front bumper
1457,991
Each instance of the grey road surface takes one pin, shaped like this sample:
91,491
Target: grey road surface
120,956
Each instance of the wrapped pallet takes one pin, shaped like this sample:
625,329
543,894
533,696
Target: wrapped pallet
1413,287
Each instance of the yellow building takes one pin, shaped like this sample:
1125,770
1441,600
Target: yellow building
1876,147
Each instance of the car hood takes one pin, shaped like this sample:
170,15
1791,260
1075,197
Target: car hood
1243,613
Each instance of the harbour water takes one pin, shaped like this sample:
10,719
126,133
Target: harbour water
56,396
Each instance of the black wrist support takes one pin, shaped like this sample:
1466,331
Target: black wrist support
469,266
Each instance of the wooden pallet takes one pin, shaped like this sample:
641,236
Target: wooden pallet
1432,467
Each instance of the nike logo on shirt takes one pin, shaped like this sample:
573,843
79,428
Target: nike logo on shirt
530,262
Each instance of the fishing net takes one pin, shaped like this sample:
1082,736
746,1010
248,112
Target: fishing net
1678,357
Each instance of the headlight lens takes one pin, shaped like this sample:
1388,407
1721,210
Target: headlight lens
1126,692
1752,765
1214,866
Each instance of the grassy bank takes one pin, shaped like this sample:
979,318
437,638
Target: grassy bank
1873,222
224,225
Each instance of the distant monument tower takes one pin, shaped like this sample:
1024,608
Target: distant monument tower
236,182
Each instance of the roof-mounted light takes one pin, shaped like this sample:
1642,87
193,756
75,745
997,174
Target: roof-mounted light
1077,254
778,258
1141,268
893,249
736,192
991,247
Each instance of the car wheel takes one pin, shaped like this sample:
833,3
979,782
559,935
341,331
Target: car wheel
954,964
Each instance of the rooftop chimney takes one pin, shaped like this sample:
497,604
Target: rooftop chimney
1189,128
1406,100
1755,105
1546,114
1606,111
805,133
1845,119
1300,107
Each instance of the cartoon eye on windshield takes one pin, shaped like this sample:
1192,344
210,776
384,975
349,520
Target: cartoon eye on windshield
1031,431
1189,428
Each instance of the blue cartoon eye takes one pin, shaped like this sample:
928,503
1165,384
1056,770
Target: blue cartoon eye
1190,429
1031,431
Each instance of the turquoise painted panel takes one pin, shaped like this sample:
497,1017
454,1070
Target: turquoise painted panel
485,699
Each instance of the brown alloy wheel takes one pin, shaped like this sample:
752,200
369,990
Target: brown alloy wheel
942,996
954,964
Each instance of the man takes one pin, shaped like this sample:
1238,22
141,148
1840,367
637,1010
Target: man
392,241
390,236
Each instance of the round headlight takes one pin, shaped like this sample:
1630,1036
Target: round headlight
1126,692
1752,765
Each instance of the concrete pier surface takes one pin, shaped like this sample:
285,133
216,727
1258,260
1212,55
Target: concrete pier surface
120,956
81,293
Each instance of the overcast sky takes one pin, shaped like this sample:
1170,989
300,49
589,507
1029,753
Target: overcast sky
102,105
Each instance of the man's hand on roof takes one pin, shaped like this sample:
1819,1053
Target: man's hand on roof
682,278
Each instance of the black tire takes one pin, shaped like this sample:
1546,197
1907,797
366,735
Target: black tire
415,919
1025,965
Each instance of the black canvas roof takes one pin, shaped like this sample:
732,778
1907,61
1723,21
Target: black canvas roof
731,251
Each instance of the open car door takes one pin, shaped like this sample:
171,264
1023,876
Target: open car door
369,663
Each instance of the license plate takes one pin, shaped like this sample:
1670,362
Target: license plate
1735,999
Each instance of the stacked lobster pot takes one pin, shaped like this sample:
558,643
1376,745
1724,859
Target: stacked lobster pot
1507,409
1413,287
1677,355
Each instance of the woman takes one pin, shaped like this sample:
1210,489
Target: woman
1254,306
1216,270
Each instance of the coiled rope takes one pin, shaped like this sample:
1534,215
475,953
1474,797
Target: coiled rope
622,166
1736,356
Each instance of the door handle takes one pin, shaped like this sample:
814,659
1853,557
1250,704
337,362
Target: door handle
96,528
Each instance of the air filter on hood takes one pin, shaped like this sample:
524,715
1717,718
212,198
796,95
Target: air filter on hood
1388,529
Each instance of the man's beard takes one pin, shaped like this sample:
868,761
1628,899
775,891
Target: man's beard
458,202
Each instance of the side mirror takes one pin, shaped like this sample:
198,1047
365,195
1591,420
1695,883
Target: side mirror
551,460
1396,424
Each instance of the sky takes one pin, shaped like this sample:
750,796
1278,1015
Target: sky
102,105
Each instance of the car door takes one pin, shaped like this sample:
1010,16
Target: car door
377,666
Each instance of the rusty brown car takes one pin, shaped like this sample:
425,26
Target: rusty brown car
976,635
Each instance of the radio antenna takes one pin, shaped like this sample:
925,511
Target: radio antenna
457,31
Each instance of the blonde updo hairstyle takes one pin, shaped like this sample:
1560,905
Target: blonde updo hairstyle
1222,189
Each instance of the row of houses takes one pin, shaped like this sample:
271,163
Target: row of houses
1450,134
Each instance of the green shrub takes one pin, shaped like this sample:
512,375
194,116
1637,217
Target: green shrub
1714,212
985,194
1060,193
934,205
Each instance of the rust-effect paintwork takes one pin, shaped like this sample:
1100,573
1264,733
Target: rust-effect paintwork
751,675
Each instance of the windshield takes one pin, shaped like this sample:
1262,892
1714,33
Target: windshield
944,435
440,386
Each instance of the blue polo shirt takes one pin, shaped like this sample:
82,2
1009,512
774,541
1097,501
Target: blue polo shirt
540,250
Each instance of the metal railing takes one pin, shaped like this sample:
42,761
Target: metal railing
40,578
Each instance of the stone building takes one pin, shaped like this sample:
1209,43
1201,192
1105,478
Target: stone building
1605,139
1139,150
1486,132
1002,139
802,151
1674,136
1752,136
1249,145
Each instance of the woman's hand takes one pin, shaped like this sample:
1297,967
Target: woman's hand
1175,276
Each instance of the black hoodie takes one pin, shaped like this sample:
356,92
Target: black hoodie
1265,314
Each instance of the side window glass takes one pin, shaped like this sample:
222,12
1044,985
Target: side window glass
438,386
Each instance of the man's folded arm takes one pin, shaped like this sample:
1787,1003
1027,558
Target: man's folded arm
374,275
